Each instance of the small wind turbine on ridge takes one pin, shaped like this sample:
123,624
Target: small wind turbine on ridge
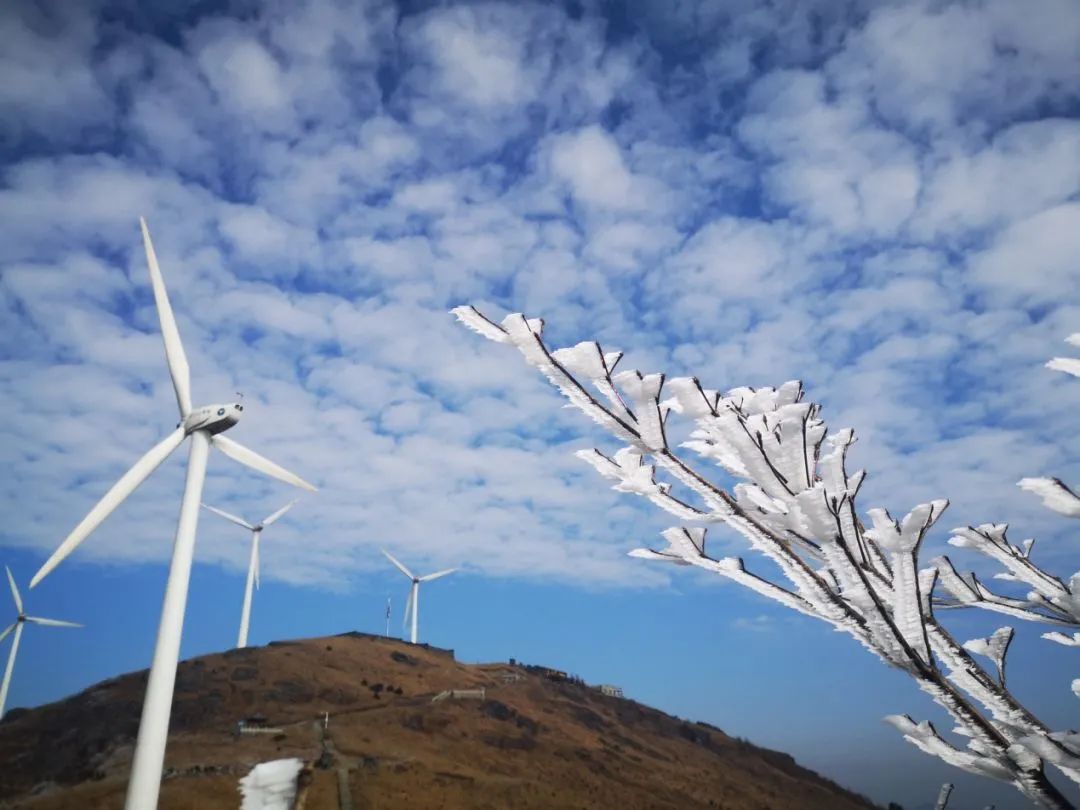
17,626
253,566
413,605
204,427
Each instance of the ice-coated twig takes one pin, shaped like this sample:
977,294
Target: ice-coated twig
1055,495
633,475
686,546
902,542
589,361
968,591
995,648
1050,600
924,736
1069,365
795,503
1062,638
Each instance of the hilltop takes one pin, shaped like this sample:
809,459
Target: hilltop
529,742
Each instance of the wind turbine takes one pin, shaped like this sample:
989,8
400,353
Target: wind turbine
204,427
413,605
253,566
17,626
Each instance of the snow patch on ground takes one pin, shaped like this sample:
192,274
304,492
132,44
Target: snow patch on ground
270,785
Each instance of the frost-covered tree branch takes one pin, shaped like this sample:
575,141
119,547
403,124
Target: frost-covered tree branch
1048,599
794,503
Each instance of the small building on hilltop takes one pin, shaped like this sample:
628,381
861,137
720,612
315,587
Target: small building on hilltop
256,724
610,691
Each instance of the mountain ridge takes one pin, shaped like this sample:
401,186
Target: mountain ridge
397,735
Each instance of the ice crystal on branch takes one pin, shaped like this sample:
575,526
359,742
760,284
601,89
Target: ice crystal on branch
794,502
1070,365
994,648
1055,495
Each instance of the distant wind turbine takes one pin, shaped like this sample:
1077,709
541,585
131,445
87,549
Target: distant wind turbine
413,605
253,566
204,426
17,626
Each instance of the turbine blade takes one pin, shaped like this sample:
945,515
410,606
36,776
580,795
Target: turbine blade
14,590
273,518
255,554
394,560
174,349
408,611
51,622
238,521
430,577
112,499
7,631
249,458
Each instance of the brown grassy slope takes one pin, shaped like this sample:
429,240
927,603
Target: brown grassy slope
532,743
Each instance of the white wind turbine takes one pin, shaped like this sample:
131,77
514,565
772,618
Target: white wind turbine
17,626
413,605
204,427
256,530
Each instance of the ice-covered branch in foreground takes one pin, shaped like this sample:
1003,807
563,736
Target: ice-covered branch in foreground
795,504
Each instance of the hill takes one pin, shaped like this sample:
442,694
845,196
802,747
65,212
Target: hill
393,739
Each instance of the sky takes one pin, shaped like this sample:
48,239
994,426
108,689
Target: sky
880,199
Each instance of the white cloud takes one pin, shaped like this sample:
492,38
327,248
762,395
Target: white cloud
50,89
727,263
1033,260
761,623
1026,168
591,164
429,196
630,245
323,184
260,238
927,66
71,201
478,54
324,180
832,164
247,78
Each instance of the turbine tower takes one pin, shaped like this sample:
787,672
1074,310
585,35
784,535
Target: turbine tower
204,427
253,566
17,626
413,605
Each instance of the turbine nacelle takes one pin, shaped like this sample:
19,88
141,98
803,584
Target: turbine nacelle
212,418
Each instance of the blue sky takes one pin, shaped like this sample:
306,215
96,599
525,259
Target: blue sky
879,198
